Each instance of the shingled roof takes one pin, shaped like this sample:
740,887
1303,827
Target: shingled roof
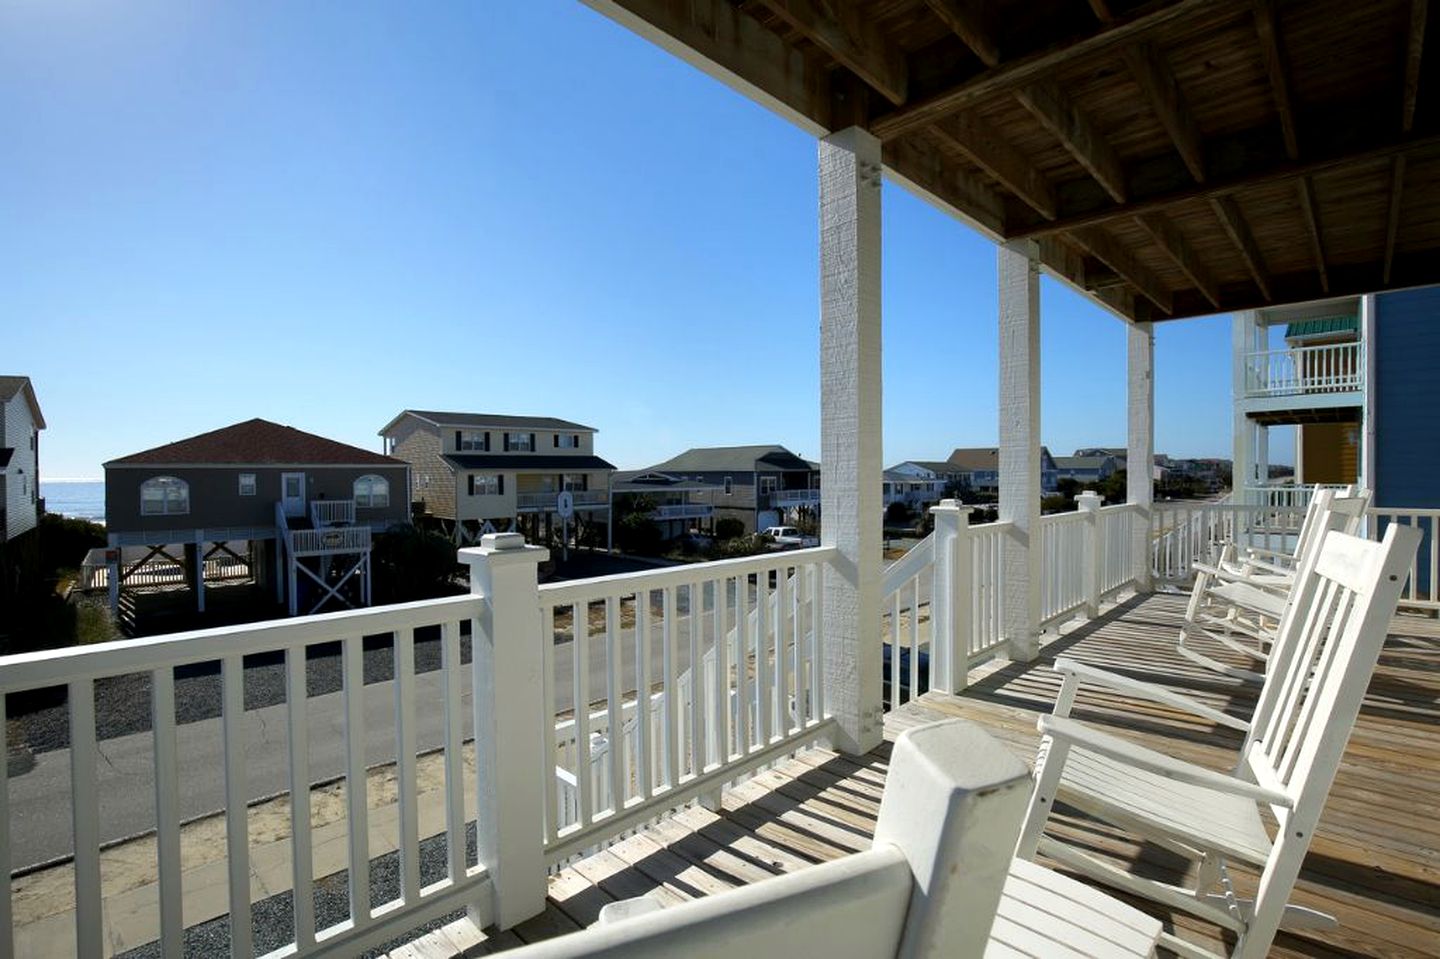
721,459
256,442
502,421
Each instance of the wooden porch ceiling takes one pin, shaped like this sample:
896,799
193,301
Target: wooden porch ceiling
1172,159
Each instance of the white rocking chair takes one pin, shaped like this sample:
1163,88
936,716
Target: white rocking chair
1325,652
1239,601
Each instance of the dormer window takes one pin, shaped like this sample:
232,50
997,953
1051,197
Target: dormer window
472,441
164,496
519,442
567,441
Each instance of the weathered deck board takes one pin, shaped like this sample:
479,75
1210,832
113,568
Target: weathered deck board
1375,862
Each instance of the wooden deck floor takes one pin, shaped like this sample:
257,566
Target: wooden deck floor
1375,863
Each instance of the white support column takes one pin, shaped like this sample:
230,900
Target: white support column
509,728
1088,504
1368,418
1020,443
1243,338
1262,456
951,598
1140,454
850,442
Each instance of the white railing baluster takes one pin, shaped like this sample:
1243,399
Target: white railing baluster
895,651
742,664
817,640
580,708
302,870
672,683
85,809
453,673
615,694
797,658
644,751
763,687
783,626
237,813
167,812
719,720
356,792
697,679
405,766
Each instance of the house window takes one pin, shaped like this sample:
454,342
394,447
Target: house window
164,496
472,441
247,484
767,484
577,481
567,441
485,485
729,485
519,442
372,492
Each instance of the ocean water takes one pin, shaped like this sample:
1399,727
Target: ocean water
80,500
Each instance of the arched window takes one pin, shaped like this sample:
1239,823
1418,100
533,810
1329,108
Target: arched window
372,491
164,496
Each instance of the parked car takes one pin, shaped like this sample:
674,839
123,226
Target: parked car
788,537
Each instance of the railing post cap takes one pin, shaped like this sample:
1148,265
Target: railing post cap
951,506
1089,499
509,547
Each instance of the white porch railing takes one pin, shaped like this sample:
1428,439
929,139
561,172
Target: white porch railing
336,539
78,669
786,498
1334,368
750,624
1422,589
1063,556
682,511
547,500
332,512
1284,494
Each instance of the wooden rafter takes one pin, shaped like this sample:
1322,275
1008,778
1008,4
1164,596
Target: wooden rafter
1103,247
1414,48
1075,131
852,39
1272,51
921,164
1216,186
988,149
1174,245
1161,90
1038,65
1310,210
1227,211
967,23
1392,218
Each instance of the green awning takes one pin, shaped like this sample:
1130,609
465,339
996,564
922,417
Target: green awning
1323,326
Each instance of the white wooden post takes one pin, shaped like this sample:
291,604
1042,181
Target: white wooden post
1368,411
1020,443
1140,454
951,595
112,569
953,801
850,441
1088,504
510,730
1244,338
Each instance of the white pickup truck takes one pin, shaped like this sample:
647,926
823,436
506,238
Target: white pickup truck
788,537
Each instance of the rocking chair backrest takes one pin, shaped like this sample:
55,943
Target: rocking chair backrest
1333,631
1348,500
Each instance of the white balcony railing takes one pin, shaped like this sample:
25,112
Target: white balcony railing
335,539
682,511
332,512
1335,368
547,500
789,498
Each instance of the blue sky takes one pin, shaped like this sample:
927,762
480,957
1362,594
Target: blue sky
324,213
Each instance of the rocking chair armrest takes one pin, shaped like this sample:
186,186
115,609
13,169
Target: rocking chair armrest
1071,732
1154,693
1275,553
1265,566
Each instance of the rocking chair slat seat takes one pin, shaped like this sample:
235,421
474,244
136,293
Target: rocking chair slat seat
1044,913
1156,806
1251,598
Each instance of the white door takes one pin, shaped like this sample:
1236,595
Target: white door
292,493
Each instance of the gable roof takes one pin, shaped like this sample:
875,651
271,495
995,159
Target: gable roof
10,385
1119,452
636,481
530,461
256,442
934,466
500,421
969,459
1082,462
734,459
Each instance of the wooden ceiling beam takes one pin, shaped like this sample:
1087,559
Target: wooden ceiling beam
1104,248
1162,91
1411,269
1310,211
1272,51
1414,48
1040,64
966,22
1181,188
922,165
1173,244
1075,131
984,146
1392,218
853,39
1227,211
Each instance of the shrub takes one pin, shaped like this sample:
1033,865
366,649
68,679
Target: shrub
897,514
411,563
728,528
637,533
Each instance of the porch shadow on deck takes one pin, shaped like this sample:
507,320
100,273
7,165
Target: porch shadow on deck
1375,862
